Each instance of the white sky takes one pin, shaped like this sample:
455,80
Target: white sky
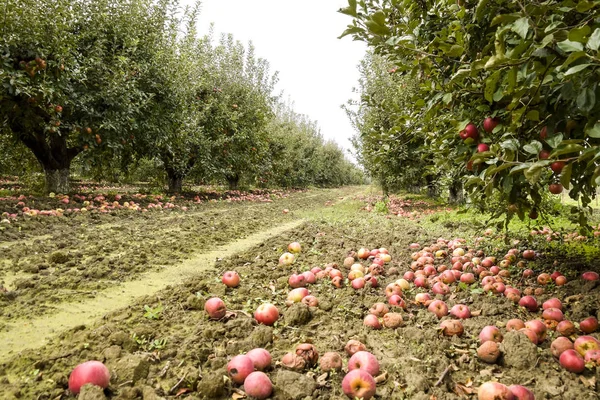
300,40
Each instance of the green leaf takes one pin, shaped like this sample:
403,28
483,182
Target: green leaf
568,46
594,40
584,6
533,115
504,19
555,141
594,132
377,29
565,176
534,172
576,69
350,10
510,144
447,98
580,34
533,148
586,99
520,167
521,27
379,18
455,51
481,9
567,149
491,83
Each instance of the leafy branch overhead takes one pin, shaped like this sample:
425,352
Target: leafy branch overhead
530,67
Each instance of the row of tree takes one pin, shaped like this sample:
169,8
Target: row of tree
110,83
498,96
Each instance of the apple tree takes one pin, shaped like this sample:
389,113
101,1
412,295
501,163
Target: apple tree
69,74
528,69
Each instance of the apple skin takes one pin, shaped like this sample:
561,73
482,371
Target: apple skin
553,314
467,278
559,345
266,314
552,303
261,358
521,392
297,281
311,301
439,308
354,346
258,385
239,368
585,343
364,360
231,279
93,372
379,309
572,361
560,280
529,255
359,384
309,277
398,301
529,302
440,288
593,356
286,259
296,295
538,327
392,289
215,308
363,253
294,247
492,333
421,281
392,320
489,124
330,361
589,325
460,311
514,324
494,391
482,147
566,328
372,321
555,188
489,351
533,337
422,298
358,283
452,327
590,276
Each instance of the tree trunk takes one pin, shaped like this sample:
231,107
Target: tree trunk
233,181
174,180
57,180
431,187
456,194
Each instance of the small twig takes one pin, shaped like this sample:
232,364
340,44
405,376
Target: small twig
177,384
164,370
125,383
443,375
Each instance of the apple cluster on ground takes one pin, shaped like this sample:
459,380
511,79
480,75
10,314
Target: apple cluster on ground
329,319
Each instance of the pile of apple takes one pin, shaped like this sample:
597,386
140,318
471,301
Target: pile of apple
248,370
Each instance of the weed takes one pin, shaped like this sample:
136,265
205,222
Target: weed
153,313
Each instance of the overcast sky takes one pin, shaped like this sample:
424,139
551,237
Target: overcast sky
300,40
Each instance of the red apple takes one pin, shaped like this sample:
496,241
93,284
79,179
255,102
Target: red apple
309,277
589,325
533,337
467,278
294,247
529,255
365,361
553,314
538,327
310,301
379,309
396,300
489,352
572,361
354,346
544,133
215,308
297,280
422,298
529,302
414,246
559,345
494,391
372,321
560,280
439,308
544,278
330,361
566,328
521,392
296,295
440,288
585,343
552,303
359,384
555,188
363,253
590,276
421,281
489,124
358,283
286,259
92,372
514,325
460,311
490,332
452,327
482,147
261,358
266,314
239,368
592,356
231,279
409,276
544,154
258,385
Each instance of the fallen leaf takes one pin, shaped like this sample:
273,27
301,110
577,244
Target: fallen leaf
182,391
476,313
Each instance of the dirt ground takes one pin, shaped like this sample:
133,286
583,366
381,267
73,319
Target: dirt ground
164,345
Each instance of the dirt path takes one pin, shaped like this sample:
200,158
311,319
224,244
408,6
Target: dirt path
33,333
